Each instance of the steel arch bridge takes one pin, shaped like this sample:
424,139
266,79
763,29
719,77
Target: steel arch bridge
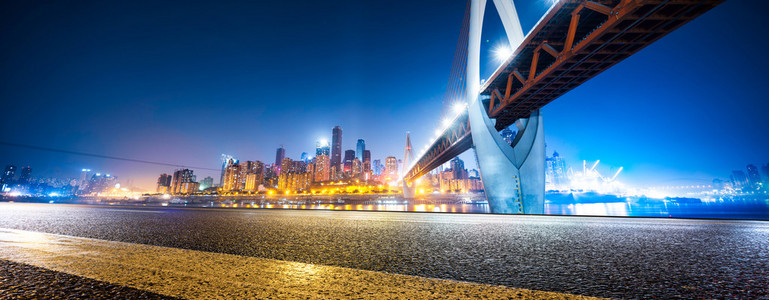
572,43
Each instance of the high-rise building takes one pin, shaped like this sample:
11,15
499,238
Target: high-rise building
322,148
304,157
225,159
206,183
253,181
378,168
391,168
458,168
349,155
299,167
367,162
322,168
7,179
356,167
26,173
286,166
184,182
248,167
555,172
754,178
360,147
232,175
336,147
164,183
280,154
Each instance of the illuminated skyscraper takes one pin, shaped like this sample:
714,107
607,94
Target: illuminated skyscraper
458,168
164,183
286,166
555,172
299,167
391,168
322,148
225,158
184,182
349,156
356,167
361,146
253,180
280,154
231,176
304,157
378,168
322,165
336,147
7,179
367,162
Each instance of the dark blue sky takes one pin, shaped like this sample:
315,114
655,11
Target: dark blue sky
182,82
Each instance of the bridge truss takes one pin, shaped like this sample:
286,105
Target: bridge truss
575,41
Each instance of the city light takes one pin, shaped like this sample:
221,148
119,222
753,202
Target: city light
502,52
458,107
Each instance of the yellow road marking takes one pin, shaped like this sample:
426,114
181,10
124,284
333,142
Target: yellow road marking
205,275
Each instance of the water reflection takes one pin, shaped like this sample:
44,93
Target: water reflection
585,205
404,206
590,204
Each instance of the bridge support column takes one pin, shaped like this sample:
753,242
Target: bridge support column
409,192
513,177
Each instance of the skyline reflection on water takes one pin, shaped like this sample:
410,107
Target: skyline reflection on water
578,204
584,205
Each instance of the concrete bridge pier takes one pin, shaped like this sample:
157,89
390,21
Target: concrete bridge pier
513,177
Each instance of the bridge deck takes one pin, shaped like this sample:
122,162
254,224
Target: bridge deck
575,41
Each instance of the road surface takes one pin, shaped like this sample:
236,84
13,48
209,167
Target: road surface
591,256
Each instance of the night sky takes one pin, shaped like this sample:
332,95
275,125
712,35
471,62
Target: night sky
182,82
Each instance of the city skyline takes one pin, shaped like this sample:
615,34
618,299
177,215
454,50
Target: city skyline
655,133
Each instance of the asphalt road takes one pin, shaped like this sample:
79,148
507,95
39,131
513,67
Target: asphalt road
604,257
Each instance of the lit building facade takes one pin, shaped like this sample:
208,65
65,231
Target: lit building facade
360,147
164,183
391,168
336,147
280,154
349,156
184,182
232,175
322,168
